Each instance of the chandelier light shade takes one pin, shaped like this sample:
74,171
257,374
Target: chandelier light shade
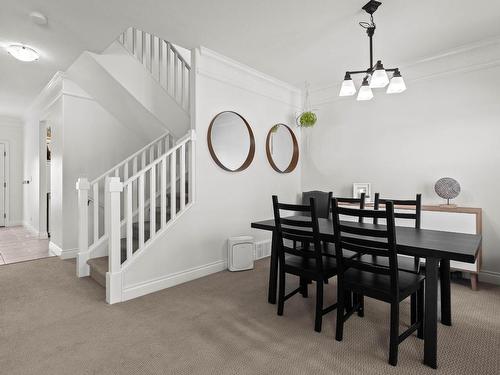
365,91
348,88
380,78
376,76
397,84
23,53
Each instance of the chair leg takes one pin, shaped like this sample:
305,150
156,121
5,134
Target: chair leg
420,312
281,292
303,286
394,335
361,305
319,306
413,308
348,300
339,332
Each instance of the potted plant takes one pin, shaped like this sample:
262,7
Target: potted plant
307,119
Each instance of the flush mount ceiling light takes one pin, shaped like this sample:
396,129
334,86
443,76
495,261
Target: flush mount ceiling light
376,75
23,53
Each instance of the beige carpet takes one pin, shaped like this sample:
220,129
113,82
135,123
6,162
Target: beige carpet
53,323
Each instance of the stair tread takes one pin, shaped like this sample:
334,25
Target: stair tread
99,264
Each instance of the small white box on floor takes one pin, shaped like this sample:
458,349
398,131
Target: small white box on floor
240,253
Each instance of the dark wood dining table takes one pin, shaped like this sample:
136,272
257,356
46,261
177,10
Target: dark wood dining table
437,247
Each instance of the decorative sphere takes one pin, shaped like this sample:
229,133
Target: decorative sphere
447,188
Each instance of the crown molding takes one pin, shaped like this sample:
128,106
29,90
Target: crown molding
251,71
11,121
225,70
329,93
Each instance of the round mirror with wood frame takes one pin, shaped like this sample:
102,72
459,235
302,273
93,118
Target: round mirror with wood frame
231,142
282,149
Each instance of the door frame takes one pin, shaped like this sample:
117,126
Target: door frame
7,181
42,178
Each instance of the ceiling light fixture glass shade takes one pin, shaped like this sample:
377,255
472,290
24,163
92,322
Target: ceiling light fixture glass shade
380,78
348,88
23,53
397,84
365,92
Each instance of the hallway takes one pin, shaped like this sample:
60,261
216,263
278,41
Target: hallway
18,244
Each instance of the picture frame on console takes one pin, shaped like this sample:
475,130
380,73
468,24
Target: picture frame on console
362,187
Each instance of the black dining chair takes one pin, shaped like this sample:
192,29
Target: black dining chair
307,264
384,283
412,211
323,200
361,202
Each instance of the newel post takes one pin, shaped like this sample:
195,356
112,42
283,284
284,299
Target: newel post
114,277
83,187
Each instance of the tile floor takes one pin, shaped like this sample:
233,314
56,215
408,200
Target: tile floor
18,244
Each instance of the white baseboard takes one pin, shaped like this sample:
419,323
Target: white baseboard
54,249
489,277
262,249
15,223
168,281
61,253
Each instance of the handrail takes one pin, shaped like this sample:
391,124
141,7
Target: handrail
163,60
178,145
174,50
129,158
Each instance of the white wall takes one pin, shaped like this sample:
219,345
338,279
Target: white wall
445,124
86,142
122,85
94,141
11,131
226,203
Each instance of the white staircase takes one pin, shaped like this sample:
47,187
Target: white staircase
122,212
162,60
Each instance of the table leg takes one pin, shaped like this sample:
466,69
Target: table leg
430,319
273,270
444,276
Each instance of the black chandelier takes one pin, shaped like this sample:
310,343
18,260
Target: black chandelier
376,75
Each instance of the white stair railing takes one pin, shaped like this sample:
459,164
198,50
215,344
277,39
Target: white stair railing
93,208
149,181
162,60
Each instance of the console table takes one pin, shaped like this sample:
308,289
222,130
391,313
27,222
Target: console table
456,219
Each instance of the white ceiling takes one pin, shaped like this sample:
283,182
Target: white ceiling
294,40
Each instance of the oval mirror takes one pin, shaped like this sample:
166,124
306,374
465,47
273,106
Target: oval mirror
230,141
282,148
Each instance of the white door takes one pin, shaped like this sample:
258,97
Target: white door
2,184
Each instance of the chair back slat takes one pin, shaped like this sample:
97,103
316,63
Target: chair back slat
294,207
304,229
359,201
415,205
377,240
296,223
363,231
